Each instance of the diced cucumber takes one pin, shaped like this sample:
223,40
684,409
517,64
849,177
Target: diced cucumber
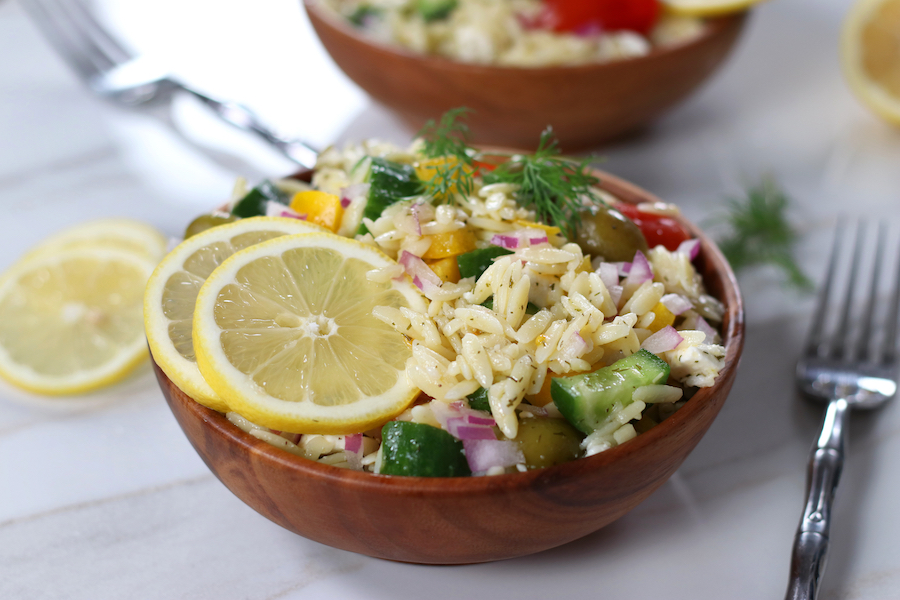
479,400
476,262
389,182
432,10
254,203
586,400
363,13
420,450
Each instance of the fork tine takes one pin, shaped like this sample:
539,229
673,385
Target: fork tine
817,327
889,344
839,347
862,343
76,36
113,49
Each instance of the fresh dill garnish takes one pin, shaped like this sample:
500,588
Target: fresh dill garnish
760,232
552,185
446,143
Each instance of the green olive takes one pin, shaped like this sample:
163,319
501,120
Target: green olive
204,222
604,231
546,442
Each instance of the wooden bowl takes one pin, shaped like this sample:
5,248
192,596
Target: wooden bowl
586,104
466,519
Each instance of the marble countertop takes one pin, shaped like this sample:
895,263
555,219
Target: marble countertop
102,496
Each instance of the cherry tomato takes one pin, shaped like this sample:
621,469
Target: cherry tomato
657,229
604,15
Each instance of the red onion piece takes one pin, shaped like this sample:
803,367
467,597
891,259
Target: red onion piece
574,347
505,241
277,209
676,303
414,209
485,454
423,277
459,429
609,274
537,240
474,418
353,450
345,202
622,268
615,293
690,247
663,340
640,270
708,329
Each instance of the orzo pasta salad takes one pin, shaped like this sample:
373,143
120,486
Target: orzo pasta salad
555,321
519,33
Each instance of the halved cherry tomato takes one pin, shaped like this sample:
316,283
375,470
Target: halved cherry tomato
657,229
603,15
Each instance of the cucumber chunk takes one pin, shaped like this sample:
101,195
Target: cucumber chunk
586,400
476,262
254,203
420,450
432,10
389,182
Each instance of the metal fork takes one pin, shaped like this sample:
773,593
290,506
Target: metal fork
848,369
112,71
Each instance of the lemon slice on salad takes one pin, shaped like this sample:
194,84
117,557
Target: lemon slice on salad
125,234
707,8
870,55
72,318
172,292
284,333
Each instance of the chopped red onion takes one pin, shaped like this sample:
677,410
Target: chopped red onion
474,418
459,429
676,303
708,329
690,247
482,455
663,340
622,268
345,202
615,293
537,240
423,277
277,209
505,241
574,347
609,274
414,209
353,450
640,270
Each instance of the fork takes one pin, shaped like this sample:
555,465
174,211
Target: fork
114,72
848,370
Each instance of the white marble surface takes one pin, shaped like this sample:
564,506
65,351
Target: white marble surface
102,497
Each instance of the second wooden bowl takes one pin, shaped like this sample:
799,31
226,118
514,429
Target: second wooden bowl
587,104
467,519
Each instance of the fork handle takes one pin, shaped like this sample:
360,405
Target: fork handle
811,542
243,118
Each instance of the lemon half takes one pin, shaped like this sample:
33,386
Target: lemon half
707,8
870,55
172,292
284,334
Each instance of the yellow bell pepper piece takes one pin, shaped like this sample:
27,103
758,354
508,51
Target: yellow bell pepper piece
451,243
320,208
427,169
445,268
663,318
549,229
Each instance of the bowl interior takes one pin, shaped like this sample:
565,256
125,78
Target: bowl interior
467,520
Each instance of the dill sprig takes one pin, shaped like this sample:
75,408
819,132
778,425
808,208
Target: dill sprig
760,232
550,184
447,143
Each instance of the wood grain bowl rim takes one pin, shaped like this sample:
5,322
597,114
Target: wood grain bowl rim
733,335
714,26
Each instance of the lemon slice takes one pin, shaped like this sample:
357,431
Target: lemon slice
125,234
284,333
870,55
707,8
72,320
172,292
